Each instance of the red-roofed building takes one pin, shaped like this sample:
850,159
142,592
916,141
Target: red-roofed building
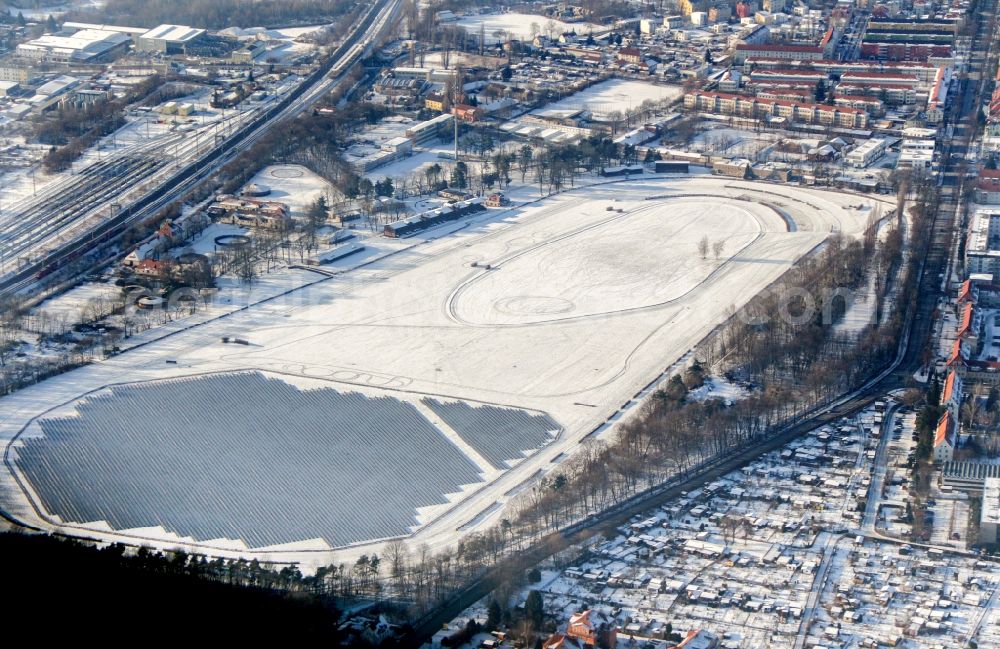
787,94
467,113
871,105
745,51
151,268
951,395
894,94
959,356
881,77
966,321
808,113
754,87
926,72
945,438
630,55
965,292
593,628
561,641
249,212
788,74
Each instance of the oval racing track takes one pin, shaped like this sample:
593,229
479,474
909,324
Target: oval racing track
632,365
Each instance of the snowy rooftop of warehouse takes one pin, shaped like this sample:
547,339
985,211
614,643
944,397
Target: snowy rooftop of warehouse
173,33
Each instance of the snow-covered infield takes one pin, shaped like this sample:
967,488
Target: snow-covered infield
579,313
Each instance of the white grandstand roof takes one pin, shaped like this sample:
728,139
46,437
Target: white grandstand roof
173,33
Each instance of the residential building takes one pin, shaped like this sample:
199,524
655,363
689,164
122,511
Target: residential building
945,438
982,249
467,113
435,102
20,73
871,105
698,639
988,187
746,51
752,107
951,395
629,55
593,628
866,153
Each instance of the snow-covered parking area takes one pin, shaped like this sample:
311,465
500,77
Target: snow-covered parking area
587,297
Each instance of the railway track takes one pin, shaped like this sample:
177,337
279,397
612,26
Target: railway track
85,240
69,204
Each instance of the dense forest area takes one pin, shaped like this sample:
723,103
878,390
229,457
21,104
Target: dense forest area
216,14
109,594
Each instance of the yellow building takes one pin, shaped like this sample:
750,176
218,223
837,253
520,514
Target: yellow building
434,102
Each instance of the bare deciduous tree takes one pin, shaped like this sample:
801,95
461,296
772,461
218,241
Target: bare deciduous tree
718,247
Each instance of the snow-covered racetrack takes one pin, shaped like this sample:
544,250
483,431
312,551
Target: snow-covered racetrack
620,262
581,309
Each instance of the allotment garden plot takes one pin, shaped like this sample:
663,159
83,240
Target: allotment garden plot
413,395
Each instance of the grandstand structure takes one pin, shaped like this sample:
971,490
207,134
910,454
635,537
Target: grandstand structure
251,458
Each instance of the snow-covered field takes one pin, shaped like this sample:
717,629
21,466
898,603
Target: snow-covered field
613,95
294,185
582,309
405,167
71,305
519,26
732,141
